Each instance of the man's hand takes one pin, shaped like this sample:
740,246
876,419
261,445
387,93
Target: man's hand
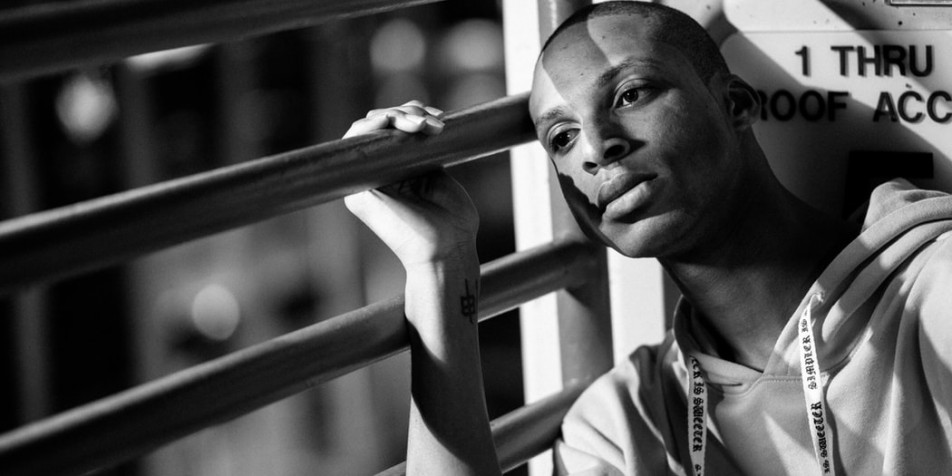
430,223
423,220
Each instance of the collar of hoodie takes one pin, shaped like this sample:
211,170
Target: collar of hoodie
815,409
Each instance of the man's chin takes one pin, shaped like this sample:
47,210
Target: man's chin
647,238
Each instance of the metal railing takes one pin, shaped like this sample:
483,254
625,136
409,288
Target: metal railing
57,35
524,432
119,227
86,437
93,234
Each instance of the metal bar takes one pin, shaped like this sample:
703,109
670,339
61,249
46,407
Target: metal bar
585,312
115,228
136,421
530,430
30,322
553,12
54,36
567,336
356,431
525,432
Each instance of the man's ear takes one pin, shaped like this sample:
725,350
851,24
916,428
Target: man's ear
743,103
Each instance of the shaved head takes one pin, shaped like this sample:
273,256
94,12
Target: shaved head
664,24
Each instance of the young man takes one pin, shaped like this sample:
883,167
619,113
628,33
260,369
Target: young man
804,344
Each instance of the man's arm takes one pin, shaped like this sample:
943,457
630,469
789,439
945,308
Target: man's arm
449,427
430,224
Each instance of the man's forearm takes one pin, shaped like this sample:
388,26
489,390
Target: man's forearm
449,428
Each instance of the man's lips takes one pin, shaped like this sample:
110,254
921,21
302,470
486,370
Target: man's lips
617,188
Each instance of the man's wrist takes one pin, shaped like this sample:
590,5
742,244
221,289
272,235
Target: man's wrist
444,293
460,258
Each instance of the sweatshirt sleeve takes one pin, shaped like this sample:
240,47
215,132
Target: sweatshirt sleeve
612,428
571,461
935,332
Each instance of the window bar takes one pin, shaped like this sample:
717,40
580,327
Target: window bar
566,337
525,432
29,322
584,312
136,421
52,36
119,227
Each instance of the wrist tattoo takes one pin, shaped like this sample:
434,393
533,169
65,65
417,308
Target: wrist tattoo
467,302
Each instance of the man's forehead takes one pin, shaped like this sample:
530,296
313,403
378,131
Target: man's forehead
588,55
588,48
603,33
544,95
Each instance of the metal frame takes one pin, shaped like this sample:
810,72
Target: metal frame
86,438
567,336
119,227
96,233
34,39
524,432
29,320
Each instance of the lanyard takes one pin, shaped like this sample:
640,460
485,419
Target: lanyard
820,432
817,417
697,421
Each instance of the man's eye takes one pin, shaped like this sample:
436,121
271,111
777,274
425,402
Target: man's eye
562,139
627,97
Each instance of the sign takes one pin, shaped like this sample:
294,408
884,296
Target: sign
841,105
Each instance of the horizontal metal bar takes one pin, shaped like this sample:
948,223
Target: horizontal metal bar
530,430
525,432
118,227
141,419
53,36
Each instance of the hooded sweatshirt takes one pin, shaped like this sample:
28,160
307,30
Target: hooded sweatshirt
881,359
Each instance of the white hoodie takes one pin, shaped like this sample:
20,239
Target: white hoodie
882,325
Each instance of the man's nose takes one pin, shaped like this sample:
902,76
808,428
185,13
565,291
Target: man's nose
606,150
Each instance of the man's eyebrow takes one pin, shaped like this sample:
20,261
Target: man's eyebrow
609,75
601,81
549,116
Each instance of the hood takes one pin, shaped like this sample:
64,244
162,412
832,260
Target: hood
899,220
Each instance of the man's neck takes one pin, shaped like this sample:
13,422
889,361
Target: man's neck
746,284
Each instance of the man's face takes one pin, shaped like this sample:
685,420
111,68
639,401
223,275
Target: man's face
642,148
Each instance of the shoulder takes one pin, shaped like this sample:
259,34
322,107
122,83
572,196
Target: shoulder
931,297
625,385
622,410
930,307
932,292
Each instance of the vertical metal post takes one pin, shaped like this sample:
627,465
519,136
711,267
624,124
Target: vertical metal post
234,78
341,85
541,361
30,326
567,337
135,127
139,168
136,147
642,296
584,312
553,12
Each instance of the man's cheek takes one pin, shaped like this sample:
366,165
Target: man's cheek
577,194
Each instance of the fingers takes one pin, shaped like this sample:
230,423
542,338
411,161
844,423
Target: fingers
414,188
358,203
412,117
414,107
366,125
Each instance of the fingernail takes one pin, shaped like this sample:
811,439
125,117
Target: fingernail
433,110
435,123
